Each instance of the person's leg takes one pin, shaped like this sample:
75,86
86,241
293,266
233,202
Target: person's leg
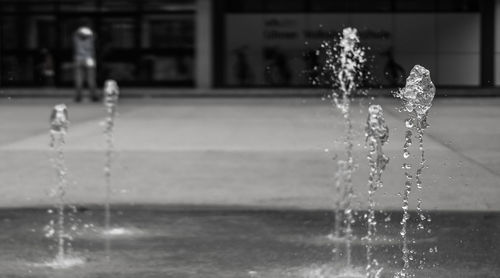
92,84
78,81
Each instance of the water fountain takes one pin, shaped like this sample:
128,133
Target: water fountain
234,242
377,134
111,93
417,98
344,61
58,128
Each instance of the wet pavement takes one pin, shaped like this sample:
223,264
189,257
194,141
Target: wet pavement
238,242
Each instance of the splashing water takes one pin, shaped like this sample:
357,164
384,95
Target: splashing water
331,271
344,62
377,134
58,129
118,232
111,93
62,263
418,93
417,98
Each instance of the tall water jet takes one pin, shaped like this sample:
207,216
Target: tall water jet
377,134
417,98
111,93
58,129
344,64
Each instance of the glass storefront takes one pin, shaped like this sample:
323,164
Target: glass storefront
279,43
143,43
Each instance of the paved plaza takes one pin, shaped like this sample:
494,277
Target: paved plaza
248,152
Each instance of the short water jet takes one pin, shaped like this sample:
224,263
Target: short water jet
111,93
377,134
58,128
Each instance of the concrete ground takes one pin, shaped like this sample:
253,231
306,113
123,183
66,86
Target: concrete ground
256,152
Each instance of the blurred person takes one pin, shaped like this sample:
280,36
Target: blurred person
277,71
242,70
84,55
394,73
313,67
45,68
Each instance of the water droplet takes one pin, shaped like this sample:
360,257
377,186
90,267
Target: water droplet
409,123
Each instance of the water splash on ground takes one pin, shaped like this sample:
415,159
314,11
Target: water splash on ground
65,262
333,271
118,232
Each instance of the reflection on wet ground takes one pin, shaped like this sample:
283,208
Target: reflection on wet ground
236,242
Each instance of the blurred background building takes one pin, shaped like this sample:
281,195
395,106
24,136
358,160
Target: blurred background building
247,43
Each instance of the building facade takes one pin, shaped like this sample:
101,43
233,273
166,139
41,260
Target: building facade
248,43
137,42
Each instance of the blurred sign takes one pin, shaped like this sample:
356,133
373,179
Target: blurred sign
278,49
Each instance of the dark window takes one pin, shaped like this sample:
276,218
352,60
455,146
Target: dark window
174,32
78,5
9,32
117,33
40,7
8,7
118,5
415,6
245,6
351,6
168,5
369,5
284,6
328,6
458,6
45,33
17,69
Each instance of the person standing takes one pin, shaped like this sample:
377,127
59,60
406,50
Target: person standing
85,65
